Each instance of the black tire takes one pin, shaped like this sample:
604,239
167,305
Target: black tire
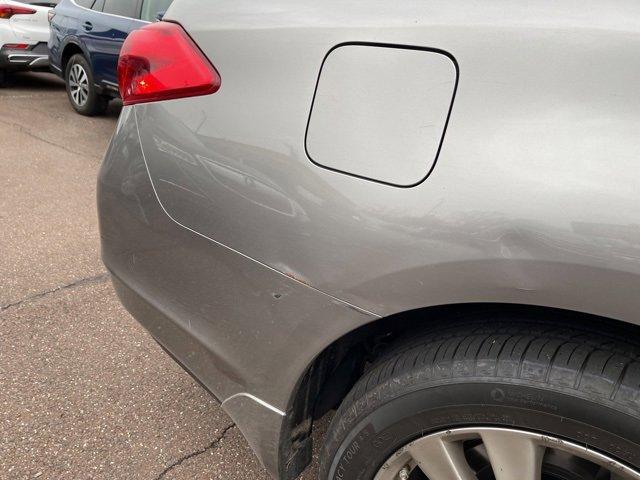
578,384
95,103
3,78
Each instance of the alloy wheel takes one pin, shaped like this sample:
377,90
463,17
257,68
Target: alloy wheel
79,85
500,454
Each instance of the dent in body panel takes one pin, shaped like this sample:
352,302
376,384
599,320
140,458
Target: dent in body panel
225,174
540,144
232,321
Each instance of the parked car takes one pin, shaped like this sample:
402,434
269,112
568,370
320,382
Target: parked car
424,215
24,31
86,38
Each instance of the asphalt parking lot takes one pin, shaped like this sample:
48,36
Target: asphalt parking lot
84,391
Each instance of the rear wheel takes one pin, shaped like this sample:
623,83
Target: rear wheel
500,400
81,90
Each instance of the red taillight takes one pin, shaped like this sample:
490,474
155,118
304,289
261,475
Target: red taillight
50,15
161,62
16,46
8,11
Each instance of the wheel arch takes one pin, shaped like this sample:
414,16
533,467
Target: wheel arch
71,48
334,371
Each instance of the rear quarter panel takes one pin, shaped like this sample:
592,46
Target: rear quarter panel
31,29
534,195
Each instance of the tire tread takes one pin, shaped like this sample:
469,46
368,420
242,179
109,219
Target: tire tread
603,367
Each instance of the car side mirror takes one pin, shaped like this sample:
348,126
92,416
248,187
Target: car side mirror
160,16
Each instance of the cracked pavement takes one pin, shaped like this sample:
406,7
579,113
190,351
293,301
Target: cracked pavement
84,390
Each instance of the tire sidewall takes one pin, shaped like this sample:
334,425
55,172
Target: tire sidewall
393,419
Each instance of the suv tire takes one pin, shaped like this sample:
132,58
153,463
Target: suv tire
580,384
81,89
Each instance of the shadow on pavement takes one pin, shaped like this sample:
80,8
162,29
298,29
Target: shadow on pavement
115,106
26,83
33,82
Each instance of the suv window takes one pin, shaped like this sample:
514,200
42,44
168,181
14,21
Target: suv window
98,4
123,8
151,9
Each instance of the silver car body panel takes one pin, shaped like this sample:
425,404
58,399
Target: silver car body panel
245,259
230,321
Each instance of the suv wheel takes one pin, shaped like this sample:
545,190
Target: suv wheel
501,400
80,88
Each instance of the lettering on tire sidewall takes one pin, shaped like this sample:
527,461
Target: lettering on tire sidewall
343,471
513,406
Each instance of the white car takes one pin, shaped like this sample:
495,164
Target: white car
24,32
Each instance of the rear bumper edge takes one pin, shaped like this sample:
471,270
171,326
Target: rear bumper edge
34,58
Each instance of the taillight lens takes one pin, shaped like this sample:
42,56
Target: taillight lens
16,46
50,15
8,11
161,62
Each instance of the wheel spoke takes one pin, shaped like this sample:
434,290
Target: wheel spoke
79,84
440,459
513,455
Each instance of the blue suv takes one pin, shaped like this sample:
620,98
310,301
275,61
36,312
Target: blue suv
86,38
